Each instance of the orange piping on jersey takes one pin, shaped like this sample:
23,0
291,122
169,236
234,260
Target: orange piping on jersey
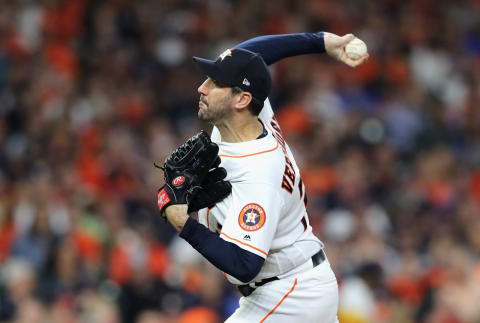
245,244
285,296
242,156
208,213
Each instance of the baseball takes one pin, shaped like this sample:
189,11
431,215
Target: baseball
356,49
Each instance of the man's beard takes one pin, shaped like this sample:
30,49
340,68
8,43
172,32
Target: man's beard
206,115
214,114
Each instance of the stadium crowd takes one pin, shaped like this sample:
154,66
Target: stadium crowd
93,92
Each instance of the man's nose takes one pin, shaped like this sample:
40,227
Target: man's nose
202,89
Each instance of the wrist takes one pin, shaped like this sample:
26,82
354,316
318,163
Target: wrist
177,215
320,35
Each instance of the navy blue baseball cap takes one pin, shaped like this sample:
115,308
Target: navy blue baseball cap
239,67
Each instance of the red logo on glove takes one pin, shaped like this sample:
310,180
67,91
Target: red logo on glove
163,199
177,181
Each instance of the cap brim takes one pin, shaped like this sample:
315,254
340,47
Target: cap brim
209,68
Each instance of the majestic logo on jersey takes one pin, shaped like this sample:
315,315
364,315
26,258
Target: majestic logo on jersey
177,181
247,237
226,53
252,217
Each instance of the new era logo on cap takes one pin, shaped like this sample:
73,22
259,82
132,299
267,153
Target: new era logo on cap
246,82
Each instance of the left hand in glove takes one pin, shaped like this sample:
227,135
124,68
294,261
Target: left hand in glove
213,190
186,170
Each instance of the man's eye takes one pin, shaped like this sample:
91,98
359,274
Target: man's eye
217,84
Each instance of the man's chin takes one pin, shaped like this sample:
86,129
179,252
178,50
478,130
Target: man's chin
203,116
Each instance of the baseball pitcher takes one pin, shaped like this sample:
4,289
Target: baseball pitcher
247,189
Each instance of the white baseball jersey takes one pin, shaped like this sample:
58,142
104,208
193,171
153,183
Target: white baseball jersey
265,214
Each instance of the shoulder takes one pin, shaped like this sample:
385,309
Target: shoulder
257,172
258,157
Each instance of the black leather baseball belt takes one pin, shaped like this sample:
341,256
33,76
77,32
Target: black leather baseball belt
246,290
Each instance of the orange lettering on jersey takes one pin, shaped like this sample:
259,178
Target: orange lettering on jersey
252,217
275,125
300,188
289,163
288,179
286,185
278,135
289,173
281,141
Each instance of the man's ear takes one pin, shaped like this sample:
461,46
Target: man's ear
242,100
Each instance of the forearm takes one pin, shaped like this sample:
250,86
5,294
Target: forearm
224,255
273,48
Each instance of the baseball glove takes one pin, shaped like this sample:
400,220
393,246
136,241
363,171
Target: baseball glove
185,171
213,190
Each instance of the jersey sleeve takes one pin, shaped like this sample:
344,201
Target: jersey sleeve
276,47
253,219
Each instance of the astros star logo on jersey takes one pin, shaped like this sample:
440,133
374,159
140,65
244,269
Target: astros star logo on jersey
252,217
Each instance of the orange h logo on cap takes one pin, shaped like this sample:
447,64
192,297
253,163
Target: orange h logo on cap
226,53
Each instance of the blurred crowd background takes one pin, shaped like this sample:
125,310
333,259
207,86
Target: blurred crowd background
92,92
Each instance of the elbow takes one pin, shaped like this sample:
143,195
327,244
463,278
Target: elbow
246,277
249,272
